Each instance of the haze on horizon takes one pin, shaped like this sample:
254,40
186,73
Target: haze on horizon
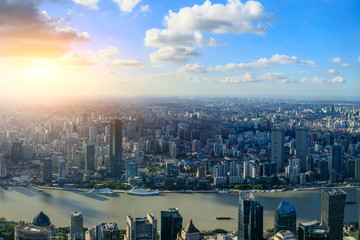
180,48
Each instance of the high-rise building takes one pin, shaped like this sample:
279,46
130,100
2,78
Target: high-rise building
172,150
304,229
2,166
76,226
62,168
171,224
285,218
336,158
302,145
357,170
16,151
332,211
131,170
115,147
250,223
189,232
277,147
89,157
144,228
92,134
47,169
110,231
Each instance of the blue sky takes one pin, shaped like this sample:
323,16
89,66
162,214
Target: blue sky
177,47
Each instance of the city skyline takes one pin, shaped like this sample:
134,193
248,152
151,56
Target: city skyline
180,48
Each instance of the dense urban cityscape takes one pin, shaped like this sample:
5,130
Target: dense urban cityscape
148,147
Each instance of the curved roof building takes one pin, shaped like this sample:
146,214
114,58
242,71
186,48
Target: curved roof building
285,218
41,220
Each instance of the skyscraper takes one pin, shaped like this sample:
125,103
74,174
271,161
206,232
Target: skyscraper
250,222
277,147
332,211
285,218
110,231
2,166
171,224
115,146
357,170
62,168
144,228
131,170
336,158
16,151
302,145
92,134
89,157
76,226
47,170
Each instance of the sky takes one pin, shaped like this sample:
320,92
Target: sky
298,48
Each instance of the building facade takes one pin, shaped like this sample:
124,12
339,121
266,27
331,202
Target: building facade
277,147
76,226
115,147
171,224
285,218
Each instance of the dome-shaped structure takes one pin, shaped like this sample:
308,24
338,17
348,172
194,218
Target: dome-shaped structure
41,220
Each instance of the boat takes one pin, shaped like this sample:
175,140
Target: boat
101,191
142,192
350,202
223,218
223,191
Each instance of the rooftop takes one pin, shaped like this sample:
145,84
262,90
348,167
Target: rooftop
334,191
285,208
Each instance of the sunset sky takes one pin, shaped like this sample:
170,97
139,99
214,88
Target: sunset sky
180,47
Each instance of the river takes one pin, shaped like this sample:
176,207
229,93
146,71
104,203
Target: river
23,203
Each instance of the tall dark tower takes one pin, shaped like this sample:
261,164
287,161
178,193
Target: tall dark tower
115,147
277,147
358,197
336,158
285,218
250,222
302,145
332,211
171,224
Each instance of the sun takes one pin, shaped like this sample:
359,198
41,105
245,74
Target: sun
41,70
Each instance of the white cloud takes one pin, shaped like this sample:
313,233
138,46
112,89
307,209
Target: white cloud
185,28
173,54
77,59
193,68
331,71
337,79
318,80
302,72
347,64
92,4
233,17
250,78
127,5
160,38
127,63
145,8
305,79
359,59
109,52
335,60
164,77
275,60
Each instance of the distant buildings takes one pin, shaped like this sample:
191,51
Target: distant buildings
115,147
277,147
332,211
141,228
171,224
285,218
26,232
302,145
250,222
16,151
76,226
